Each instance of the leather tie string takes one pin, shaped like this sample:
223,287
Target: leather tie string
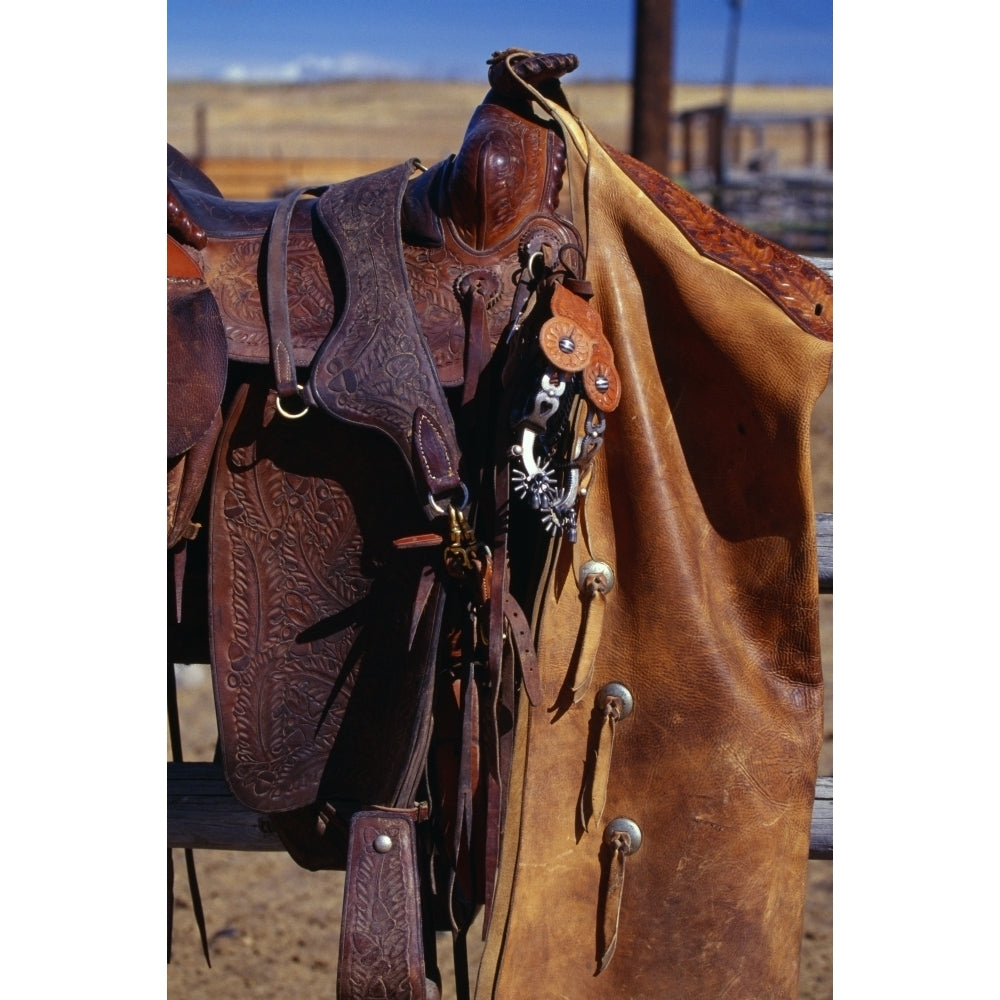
476,291
594,588
594,794
620,847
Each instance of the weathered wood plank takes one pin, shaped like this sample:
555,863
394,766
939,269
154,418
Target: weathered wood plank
824,552
821,831
203,814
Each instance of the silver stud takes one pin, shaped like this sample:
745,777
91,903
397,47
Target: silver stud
382,843
596,568
632,834
602,383
619,693
566,345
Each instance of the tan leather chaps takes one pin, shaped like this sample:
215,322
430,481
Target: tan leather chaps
658,829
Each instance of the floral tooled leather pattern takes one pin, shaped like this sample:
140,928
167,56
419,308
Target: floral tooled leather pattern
306,603
381,955
433,274
375,367
803,291
291,549
232,273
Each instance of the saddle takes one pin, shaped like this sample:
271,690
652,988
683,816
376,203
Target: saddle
415,422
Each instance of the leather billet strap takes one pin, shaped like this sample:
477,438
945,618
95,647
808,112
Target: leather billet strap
279,321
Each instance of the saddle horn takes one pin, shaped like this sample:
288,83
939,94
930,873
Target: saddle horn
511,69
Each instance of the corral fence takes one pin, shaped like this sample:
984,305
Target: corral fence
771,172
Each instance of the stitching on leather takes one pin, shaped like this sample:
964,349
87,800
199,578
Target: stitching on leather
423,418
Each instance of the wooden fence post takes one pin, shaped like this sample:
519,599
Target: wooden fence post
200,135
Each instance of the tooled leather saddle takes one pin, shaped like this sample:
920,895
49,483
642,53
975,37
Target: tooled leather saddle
488,499
346,372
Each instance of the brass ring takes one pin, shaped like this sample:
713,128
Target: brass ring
536,257
292,416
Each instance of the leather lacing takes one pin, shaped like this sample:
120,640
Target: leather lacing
619,847
594,794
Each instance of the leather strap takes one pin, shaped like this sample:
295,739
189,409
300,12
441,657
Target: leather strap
375,369
381,942
425,637
589,637
594,793
617,851
279,322
477,290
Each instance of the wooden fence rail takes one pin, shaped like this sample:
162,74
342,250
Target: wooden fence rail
203,814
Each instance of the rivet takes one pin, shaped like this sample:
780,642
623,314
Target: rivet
624,825
621,694
602,383
382,843
566,345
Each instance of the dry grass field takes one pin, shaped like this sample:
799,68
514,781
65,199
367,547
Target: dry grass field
321,132
274,926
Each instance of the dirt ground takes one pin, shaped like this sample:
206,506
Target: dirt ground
274,926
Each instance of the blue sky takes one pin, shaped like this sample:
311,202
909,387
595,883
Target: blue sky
780,41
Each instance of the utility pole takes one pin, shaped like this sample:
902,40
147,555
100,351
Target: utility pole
728,84
732,44
652,82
